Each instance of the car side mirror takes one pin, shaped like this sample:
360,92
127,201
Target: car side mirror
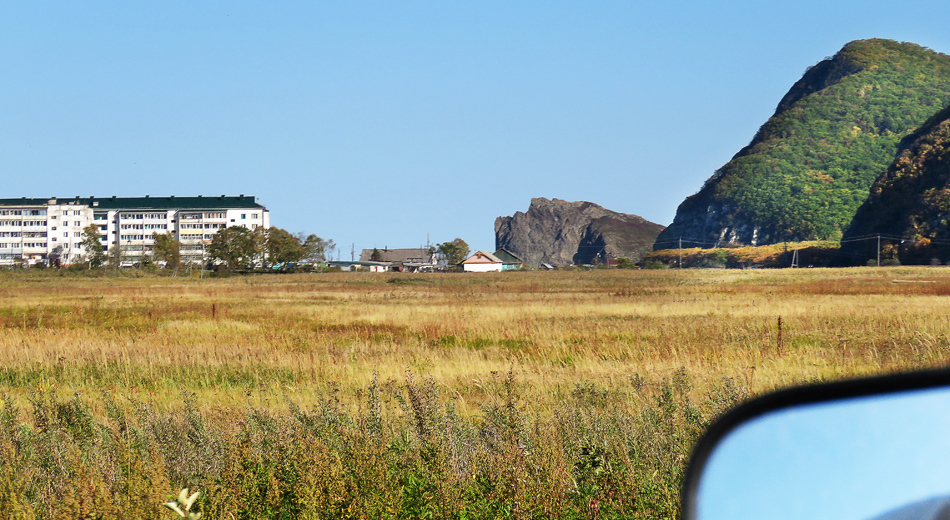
866,449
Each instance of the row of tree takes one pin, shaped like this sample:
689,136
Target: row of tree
236,248
242,248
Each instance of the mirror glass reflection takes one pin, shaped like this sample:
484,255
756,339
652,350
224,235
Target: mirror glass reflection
873,458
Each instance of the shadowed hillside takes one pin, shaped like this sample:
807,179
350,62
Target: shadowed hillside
910,203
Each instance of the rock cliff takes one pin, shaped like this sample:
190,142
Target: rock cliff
559,232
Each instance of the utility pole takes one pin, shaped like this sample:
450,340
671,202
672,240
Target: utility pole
795,258
879,250
681,252
353,252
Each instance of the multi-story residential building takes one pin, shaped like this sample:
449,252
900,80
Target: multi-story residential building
44,230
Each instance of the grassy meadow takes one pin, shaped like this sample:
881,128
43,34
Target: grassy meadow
562,394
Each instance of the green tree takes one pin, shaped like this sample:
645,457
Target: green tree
281,247
92,244
376,256
316,249
235,246
167,250
625,263
453,252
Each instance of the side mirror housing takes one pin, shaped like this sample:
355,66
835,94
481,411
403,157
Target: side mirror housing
865,449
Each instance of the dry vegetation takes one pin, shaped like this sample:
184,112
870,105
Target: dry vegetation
524,395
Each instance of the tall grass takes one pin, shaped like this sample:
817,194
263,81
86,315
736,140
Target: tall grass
404,452
569,395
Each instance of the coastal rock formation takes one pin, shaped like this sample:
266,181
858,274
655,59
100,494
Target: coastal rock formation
559,232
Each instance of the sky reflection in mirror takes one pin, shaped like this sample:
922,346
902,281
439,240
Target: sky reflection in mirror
847,460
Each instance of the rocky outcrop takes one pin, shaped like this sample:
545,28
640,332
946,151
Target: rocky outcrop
559,232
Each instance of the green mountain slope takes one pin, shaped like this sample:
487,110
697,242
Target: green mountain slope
910,201
811,164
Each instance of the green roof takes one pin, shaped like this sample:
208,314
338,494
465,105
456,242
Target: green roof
123,203
508,257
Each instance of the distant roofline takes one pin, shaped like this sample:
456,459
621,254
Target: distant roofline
146,202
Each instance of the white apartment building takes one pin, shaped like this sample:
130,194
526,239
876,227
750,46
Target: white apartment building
34,230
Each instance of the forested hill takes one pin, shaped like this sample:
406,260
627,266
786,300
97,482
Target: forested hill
810,166
910,203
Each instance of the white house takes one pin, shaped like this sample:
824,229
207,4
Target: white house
482,262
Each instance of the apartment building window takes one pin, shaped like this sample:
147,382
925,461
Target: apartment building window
254,216
77,234
243,216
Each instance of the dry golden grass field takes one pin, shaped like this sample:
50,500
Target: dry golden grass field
525,395
297,334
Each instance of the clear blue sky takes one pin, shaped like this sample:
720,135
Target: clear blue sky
377,123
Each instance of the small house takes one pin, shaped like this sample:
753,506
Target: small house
482,262
509,260
402,260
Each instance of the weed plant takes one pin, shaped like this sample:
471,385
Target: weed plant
404,452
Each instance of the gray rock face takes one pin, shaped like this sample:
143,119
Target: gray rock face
560,232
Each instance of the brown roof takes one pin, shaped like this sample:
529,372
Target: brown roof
406,256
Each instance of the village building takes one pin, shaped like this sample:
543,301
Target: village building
482,262
49,230
401,260
509,260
